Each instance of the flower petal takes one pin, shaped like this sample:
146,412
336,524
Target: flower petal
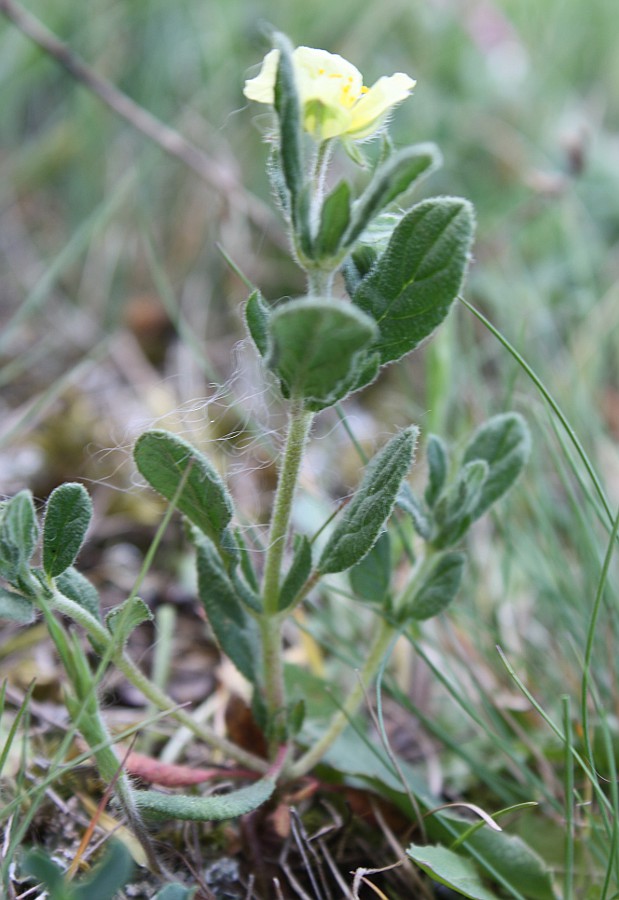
381,97
262,87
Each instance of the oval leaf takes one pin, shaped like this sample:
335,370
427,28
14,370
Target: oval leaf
410,290
371,506
393,178
19,534
315,343
370,578
235,630
504,443
163,458
438,588
67,517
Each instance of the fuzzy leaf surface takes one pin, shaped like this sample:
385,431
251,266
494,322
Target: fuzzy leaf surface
206,809
334,219
288,111
163,458
409,291
19,534
504,443
297,574
455,510
126,617
15,607
235,630
439,587
364,517
67,516
78,588
314,346
437,456
395,176
257,321
370,578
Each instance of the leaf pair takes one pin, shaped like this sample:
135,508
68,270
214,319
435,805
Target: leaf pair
67,516
322,350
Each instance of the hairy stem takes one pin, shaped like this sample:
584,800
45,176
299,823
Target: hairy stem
298,430
158,698
351,705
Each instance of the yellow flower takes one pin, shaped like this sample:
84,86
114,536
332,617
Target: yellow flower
333,99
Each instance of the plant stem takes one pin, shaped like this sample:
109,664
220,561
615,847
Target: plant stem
352,703
298,430
158,697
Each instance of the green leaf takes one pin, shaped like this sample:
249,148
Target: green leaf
334,219
39,865
315,344
454,511
372,504
438,467
422,521
504,443
126,617
163,459
78,588
452,870
370,579
364,371
206,809
15,607
507,855
297,574
288,112
395,176
67,517
109,876
257,321
19,534
412,286
234,628
438,588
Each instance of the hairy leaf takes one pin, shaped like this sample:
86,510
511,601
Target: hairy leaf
438,466
234,628
314,345
366,514
126,617
370,578
78,588
504,443
439,587
412,286
297,574
15,607
395,176
206,809
257,320
163,459
288,112
19,534
67,517
334,219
